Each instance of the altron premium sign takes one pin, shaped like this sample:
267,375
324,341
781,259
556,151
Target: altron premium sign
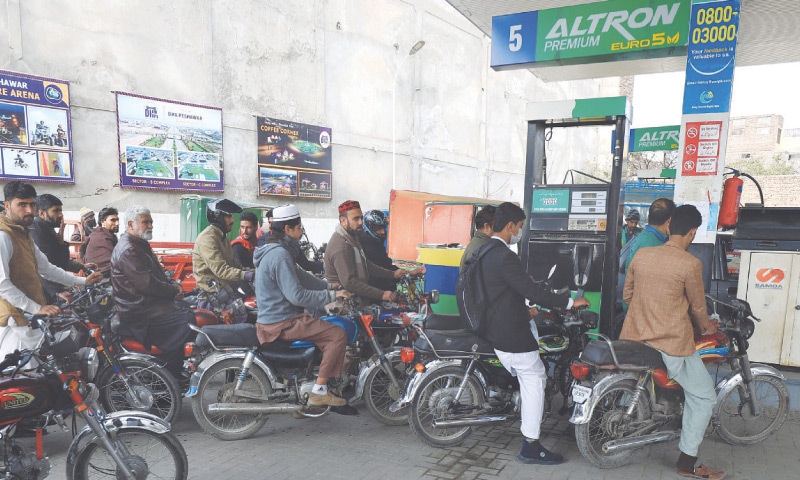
591,33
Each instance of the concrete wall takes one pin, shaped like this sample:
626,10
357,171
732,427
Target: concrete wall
460,126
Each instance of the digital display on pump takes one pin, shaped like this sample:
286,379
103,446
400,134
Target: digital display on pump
569,208
550,200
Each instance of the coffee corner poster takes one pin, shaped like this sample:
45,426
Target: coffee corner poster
294,159
35,130
168,145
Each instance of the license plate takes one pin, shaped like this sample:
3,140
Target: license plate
580,393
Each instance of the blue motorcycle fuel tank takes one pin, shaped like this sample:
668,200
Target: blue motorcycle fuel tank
348,324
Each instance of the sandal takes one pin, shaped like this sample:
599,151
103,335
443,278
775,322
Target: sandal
703,472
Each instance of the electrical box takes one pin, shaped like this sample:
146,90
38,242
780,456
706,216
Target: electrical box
770,282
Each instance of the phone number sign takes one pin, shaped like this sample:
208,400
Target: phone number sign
701,148
712,50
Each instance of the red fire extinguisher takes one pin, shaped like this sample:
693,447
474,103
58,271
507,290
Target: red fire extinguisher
729,207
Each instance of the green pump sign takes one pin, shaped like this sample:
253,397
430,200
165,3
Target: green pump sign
594,32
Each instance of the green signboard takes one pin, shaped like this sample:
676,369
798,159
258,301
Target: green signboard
654,139
547,200
593,32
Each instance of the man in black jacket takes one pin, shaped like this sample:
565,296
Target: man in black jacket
372,238
145,296
509,327
50,216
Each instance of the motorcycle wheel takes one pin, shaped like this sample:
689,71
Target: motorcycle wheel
738,426
379,394
152,384
217,387
432,402
148,454
604,422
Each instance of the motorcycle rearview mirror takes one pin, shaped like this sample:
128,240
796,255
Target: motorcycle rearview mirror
433,296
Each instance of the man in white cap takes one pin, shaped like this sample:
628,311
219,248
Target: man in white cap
284,291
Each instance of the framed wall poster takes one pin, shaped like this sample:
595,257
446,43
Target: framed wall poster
167,145
277,181
35,129
294,157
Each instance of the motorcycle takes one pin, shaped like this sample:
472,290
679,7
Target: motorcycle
623,396
42,135
223,304
241,382
460,383
129,445
127,380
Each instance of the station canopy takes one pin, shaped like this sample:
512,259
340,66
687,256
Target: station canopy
768,34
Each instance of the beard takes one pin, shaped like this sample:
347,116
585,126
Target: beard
52,221
146,235
351,228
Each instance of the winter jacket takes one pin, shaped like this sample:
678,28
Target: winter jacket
507,287
376,253
141,288
99,247
346,264
57,252
283,289
212,257
243,251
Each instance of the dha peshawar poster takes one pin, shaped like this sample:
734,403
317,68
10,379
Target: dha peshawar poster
168,145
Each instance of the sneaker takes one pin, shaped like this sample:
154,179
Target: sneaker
329,399
535,453
703,472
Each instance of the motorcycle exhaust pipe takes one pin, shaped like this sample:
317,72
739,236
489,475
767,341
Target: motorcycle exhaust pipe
251,408
469,422
616,446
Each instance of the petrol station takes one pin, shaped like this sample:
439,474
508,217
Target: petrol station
576,225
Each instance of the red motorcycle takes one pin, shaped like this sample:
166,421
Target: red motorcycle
129,445
130,377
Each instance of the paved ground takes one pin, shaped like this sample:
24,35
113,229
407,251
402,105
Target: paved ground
352,448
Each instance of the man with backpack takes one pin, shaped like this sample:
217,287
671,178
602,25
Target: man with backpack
507,323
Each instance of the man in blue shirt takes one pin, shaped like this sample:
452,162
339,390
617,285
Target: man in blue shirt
656,232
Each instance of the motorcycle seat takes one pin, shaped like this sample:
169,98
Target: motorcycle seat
628,352
133,345
281,354
456,343
238,335
437,321
278,353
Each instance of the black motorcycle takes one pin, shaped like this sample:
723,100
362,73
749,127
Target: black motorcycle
459,382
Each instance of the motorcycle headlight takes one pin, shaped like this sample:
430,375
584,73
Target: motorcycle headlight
89,362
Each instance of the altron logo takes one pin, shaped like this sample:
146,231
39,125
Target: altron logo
770,278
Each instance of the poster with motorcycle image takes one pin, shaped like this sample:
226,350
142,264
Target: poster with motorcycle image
294,159
35,133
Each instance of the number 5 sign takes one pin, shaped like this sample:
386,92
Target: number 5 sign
514,39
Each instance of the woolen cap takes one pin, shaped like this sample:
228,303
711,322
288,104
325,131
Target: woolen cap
86,213
284,213
348,205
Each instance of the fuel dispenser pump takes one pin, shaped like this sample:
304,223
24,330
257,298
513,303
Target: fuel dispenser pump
568,229
575,226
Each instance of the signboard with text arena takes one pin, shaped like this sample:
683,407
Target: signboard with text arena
591,33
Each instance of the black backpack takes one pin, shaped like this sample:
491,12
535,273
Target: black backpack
471,294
